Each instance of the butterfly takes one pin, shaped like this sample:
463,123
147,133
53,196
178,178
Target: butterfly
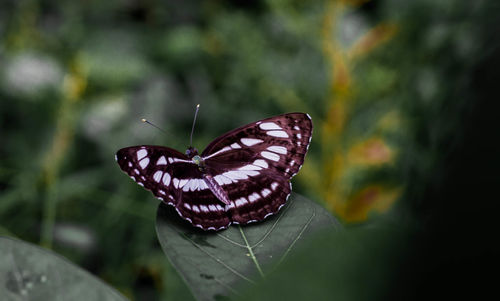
241,177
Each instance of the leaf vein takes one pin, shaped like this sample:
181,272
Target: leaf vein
217,259
298,236
231,241
250,250
273,226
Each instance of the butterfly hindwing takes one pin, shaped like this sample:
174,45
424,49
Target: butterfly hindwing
202,209
258,198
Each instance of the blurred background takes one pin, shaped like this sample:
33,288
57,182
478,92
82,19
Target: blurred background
403,96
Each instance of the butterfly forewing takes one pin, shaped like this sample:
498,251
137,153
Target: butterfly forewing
155,168
279,142
245,178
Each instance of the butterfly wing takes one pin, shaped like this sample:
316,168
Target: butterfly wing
254,164
177,181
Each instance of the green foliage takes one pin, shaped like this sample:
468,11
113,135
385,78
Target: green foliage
218,265
28,272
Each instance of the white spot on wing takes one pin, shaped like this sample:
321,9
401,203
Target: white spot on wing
144,163
269,126
222,179
235,145
250,167
189,185
233,176
236,175
195,208
265,192
212,208
187,206
251,141
203,185
299,136
195,185
162,161
241,202
274,185
183,182
261,163
270,156
141,153
166,179
218,180
253,197
176,182
252,173
280,134
204,208
296,128
278,149
157,176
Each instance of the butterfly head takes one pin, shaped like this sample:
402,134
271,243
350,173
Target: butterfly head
191,152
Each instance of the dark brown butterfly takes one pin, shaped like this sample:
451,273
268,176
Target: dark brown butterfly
241,177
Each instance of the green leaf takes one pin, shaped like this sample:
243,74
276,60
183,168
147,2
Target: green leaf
215,264
28,272
358,263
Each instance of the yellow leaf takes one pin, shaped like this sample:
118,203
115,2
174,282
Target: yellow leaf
372,39
370,152
374,198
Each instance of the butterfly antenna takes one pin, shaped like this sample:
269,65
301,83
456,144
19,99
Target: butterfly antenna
151,124
194,121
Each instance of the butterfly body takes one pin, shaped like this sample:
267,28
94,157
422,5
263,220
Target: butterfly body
241,177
